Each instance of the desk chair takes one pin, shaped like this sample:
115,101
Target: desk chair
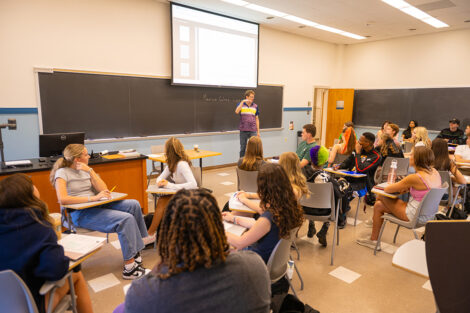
322,196
247,180
16,297
402,168
447,256
155,150
451,199
66,221
427,207
277,263
408,147
197,172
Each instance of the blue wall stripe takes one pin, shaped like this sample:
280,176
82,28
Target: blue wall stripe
298,109
18,110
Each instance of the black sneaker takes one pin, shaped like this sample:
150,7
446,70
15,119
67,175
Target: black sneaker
135,272
311,229
341,224
138,258
322,238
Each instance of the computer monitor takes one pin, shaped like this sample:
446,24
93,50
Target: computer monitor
51,145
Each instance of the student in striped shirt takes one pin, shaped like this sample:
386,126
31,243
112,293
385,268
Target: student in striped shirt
249,119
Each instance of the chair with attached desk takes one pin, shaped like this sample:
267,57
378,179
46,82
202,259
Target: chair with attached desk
408,146
447,256
427,207
16,297
339,158
321,195
155,150
451,199
247,180
403,165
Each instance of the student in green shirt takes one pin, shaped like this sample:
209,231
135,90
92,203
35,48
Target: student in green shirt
308,142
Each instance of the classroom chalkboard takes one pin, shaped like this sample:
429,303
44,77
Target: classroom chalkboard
112,106
431,107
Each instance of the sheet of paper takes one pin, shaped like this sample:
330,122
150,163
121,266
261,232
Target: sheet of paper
81,244
234,229
235,204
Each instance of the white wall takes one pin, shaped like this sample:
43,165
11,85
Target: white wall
435,60
131,36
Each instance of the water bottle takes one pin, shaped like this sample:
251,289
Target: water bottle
392,173
290,269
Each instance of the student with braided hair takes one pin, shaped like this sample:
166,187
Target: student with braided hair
196,272
280,213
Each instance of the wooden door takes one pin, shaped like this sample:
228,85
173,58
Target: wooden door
340,108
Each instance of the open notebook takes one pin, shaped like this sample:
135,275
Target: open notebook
235,204
78,246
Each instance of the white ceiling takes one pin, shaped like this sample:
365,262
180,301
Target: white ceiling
372,18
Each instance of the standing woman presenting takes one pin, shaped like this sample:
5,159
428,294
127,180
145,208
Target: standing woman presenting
249,119
76,182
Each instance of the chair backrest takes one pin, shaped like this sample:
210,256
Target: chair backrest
402,166
320,196
447,256
157,149
429,206
445,177
247,180
15,295
408,147
339,158
277,263
197,172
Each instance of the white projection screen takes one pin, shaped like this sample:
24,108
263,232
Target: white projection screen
213,50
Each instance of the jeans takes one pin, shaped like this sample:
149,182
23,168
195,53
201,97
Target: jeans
122,217
244,136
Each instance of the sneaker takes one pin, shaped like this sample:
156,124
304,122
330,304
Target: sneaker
368,223
368,243
138,258
342,224
135,272
322,238
311,229
149,239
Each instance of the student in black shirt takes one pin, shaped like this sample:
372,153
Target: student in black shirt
453,134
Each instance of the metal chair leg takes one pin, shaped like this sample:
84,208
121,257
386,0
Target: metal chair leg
357,209
416,235
72,294
300,277
396,233
296,250
291,287
380,237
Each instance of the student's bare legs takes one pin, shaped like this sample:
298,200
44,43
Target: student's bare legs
158,215
81,291
384,205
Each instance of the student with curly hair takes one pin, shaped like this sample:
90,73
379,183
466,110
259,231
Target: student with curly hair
197,273
280,213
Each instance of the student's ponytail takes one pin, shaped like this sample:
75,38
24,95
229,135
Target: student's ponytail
71,152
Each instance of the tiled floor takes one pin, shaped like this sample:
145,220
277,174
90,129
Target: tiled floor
358,281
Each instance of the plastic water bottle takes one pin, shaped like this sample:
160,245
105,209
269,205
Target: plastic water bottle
290,269
392,173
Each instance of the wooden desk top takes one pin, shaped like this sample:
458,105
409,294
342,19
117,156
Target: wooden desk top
115,196
382,192
411,256
74,264
154,189
191,154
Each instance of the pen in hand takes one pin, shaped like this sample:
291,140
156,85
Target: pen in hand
112,189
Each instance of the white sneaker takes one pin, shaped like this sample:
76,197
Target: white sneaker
368,243
149,239
368,223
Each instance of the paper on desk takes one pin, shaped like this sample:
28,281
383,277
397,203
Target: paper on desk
157,156
234,229
235,204
156,189
77,246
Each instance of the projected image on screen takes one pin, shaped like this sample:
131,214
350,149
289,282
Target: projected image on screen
213,50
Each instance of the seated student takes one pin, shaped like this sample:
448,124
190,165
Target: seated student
253,158
308,141
453,134
392,131
462,152
280,213
420,137
365,159
345,126
196,272
388,146
346,147
407,133
418,185
442,161
76,182
29,243
379,133
178,169
315,174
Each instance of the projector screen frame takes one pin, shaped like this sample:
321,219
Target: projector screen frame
214,13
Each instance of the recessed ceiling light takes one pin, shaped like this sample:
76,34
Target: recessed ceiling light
302,26
467,21
416,13
411,29
265,10
236,2
367,36
270,17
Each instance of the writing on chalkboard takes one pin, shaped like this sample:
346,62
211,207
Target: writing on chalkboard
219,99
